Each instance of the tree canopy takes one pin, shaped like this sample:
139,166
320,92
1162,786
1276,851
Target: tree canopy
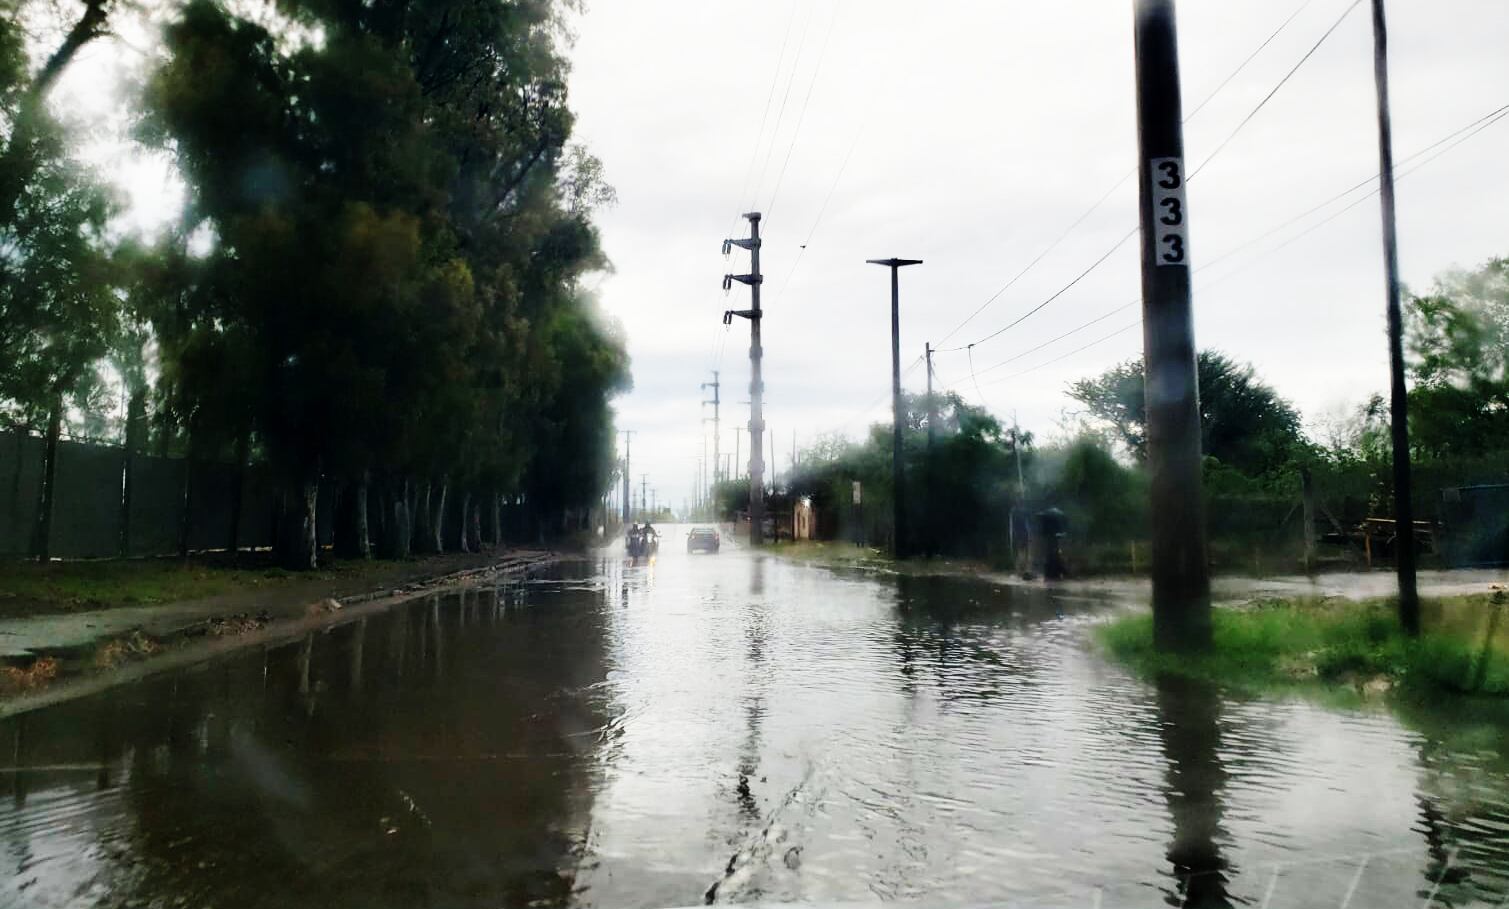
1244,423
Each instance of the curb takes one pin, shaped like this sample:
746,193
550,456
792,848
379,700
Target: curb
315,619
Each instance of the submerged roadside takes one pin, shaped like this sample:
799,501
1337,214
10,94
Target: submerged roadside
55,656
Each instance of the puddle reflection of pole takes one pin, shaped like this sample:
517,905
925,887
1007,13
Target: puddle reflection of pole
358,641
1189,716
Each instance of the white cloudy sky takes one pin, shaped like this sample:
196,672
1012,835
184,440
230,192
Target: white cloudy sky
979,132
971,134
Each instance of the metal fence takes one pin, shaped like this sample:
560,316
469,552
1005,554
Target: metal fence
90,514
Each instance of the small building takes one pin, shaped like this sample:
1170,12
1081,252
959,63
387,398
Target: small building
803,520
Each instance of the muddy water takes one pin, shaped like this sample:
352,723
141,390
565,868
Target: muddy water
735,728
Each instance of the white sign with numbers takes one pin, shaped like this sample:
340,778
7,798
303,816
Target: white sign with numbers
856,492
1170,221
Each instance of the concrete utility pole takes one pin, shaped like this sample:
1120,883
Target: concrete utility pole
1404,509
717,459
738,443
1180,562
756,384
644,500
898,471
628,501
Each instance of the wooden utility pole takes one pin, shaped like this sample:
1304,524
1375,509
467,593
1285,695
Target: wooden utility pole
1180,558
899,548
756,384
1404,509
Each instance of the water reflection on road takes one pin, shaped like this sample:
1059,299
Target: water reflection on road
734,728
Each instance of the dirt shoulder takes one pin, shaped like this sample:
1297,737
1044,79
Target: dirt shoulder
1351,585
61,654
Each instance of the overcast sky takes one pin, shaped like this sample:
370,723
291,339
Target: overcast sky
971,134
979,132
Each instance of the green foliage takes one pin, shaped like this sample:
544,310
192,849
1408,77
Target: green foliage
59,312
1459,344
1243,421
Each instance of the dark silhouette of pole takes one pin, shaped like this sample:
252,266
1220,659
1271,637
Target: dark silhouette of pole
899,547
716,401
1180,558
1404,510
644,499
930,542
756,383
628,502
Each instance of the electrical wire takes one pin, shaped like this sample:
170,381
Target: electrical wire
1117,185
796,132
1275,90
1460,136
780,117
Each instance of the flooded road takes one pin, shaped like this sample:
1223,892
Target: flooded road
734,728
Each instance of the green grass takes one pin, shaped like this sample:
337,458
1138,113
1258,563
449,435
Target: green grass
1337,644
31,587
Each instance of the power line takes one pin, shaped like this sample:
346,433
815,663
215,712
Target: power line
780,116
775,78
1460,135
1281,83
1250,57
817,69
796,260
1481,123
1054,296
1117,185
1211,157
860,414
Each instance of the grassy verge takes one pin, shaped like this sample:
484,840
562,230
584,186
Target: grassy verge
831,553
30,588
1338,644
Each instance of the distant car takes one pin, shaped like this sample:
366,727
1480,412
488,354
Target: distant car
702,538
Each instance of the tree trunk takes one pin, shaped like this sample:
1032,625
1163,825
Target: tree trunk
41,541
464,542
403,534
496,501
186,520
363,530
474,527
437,523
304,551
238,495
421,514
136,427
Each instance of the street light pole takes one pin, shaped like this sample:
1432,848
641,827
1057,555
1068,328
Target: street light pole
898,470
1404,510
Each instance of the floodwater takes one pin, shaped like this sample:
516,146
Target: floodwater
735,728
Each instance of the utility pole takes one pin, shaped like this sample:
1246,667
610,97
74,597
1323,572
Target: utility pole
644,501
628,502
1404,510
930,543
774,474
738,440
756,383
1180,562
898,470
717,460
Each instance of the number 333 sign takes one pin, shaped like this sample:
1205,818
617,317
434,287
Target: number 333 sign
1170,230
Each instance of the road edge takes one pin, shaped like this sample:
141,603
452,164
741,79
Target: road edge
316,619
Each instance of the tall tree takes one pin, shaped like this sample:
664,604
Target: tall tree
1244,423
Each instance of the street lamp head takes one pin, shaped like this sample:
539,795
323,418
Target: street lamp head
894,263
